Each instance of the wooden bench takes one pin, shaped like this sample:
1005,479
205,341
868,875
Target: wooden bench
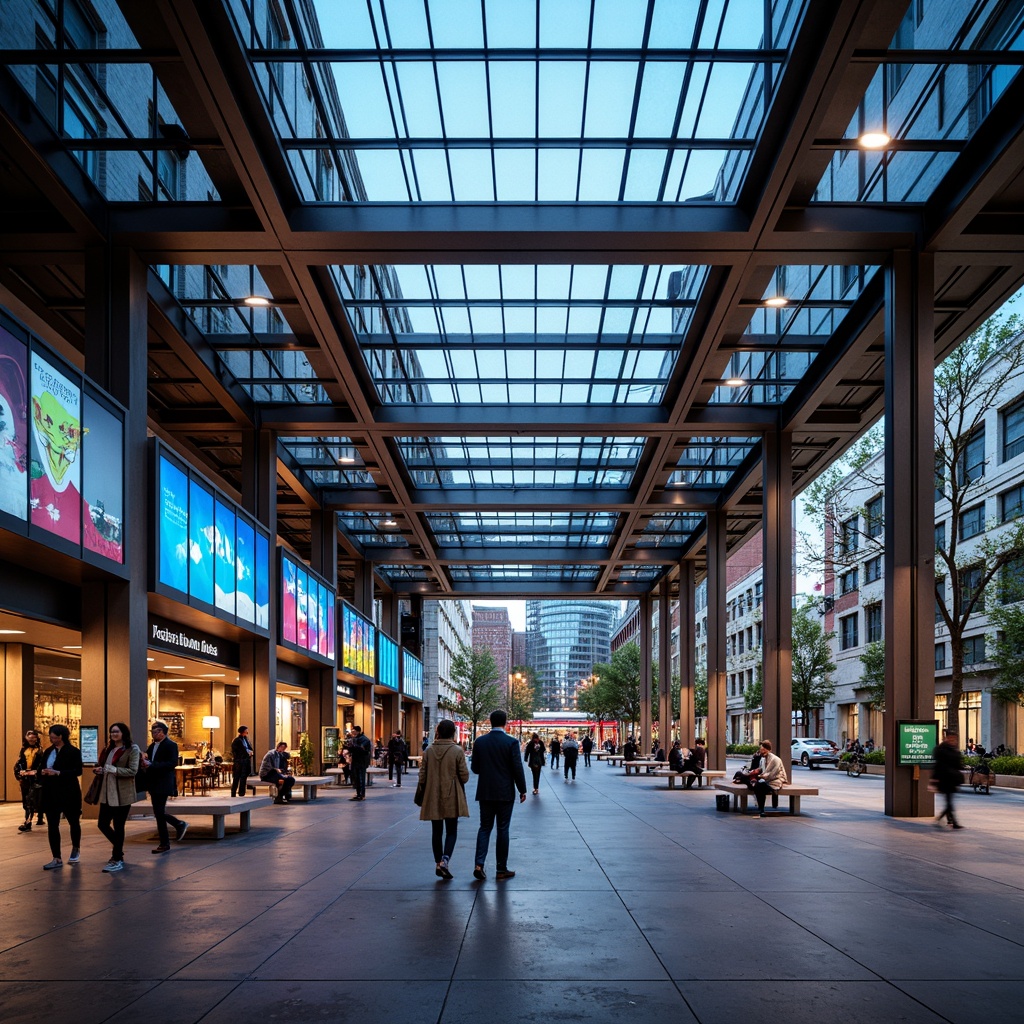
673,777
309,784
740,794
219,807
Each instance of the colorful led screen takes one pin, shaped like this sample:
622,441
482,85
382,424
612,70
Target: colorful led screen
13,426
245,565
412,676
172,516
102,480
306,604
387,661
202,535
358,643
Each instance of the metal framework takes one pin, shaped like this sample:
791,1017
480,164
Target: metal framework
517,331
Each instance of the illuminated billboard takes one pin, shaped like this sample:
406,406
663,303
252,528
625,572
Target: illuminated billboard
307,607
387,661
412,676
358,644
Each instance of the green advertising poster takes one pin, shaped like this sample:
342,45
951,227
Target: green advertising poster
915,742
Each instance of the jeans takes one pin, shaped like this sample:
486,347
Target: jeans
570,767
762,790
554,760
53,829
396,767
536,770
450,827
111,824
491,810
586,758
239,779
359,779
163,818
284,792
947,811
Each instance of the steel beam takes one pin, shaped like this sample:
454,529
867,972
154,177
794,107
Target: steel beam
716,664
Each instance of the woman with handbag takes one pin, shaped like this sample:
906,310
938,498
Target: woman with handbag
535,757
113,788
441,793
62,793
26,771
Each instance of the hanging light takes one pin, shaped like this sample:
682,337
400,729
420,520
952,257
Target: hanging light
874,140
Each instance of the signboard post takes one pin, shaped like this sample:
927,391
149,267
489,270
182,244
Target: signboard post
915,741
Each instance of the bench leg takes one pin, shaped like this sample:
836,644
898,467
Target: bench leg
218,826
671,782
775,798
794,805
308,793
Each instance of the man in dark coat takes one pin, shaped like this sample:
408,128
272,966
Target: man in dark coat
947,775
497,761
241,761
360,750
159,762
397,752
586,746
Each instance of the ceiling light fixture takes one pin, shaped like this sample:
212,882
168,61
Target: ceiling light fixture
346,459
169,668
874,140
734,382
214,675
256,301
12,632
72,647
389,522
777,301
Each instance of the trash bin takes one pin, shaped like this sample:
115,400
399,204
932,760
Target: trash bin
722,802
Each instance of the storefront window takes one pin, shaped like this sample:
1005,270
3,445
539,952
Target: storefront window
291,718
57,693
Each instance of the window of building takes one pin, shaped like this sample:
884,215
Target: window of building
1011,503
873,623
1011,581
848,582
903,40
940,656
940,476
970,585
940,536
848,632
873,569
971,465
940,597
758,593
972,522
849,538
1013,430
873,519
974,649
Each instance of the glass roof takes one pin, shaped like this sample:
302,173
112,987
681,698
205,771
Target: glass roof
520,461
489,573
328,461
671,528
372,529
549,100
709,462
555,529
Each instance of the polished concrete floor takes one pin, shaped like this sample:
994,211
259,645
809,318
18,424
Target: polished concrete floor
630,903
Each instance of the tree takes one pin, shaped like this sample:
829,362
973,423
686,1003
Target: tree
474,677
521,694
812,662
873,676
1008,654
618,688
973,380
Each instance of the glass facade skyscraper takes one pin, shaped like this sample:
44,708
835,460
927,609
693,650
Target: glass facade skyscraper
563,641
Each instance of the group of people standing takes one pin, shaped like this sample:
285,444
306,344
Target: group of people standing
123,775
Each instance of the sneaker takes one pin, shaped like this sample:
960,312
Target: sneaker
478,874
114,865
502,875
755,815
27,827
180,830
53,864
161,849
75,857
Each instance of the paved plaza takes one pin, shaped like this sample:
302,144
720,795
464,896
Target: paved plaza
630,903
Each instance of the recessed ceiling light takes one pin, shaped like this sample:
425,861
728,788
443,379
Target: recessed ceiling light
874,140
256,301
214,675
734,382
12,632
390,522
170,667
151,659
72,647
777,301
346,459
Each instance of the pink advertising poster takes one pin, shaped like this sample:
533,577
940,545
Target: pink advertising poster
13,426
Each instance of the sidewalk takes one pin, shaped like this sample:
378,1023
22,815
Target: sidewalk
631,903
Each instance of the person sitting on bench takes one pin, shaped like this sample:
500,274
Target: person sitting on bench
696,760
772,778
274,769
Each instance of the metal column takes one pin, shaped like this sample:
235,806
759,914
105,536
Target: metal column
646,659
665,664
323,557
909,612
716,640
777,628
687,651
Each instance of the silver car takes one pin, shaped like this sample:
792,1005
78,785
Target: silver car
813,752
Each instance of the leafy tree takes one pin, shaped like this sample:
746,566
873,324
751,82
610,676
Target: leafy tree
521,694
753,697
873,676
474,675
813,666
618,689
700,692
973,379
1008,654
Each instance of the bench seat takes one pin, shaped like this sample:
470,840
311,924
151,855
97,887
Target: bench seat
219,807
309,784
709,773
740,794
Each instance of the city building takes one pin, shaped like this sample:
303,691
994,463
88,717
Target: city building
492,629
446,625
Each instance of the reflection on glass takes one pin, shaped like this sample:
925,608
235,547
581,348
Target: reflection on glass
225,570
202,542
173,526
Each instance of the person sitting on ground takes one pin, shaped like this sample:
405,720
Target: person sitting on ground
675,757
274,769
696,761
772,778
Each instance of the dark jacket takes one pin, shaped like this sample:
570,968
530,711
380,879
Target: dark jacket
496,760
160,777
555,747
587,745
360,748
536,754
397,750
30,759
675,760
63,792
948,764
241,755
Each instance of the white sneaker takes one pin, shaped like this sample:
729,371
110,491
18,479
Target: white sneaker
75,857
114,865
53,864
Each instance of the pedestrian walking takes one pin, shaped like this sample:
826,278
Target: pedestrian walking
160,778
947,775
556,751
441,793
115,772
360,750
570,755
586,746
397,753
497,763
535,756
26,771
62,793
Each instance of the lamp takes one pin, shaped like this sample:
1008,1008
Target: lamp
211,722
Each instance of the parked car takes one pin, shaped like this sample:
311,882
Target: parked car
813,752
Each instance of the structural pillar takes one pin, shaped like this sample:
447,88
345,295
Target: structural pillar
257,677
687,651
323,682
362,598
392,701
909,508
665,664
717,586
777,628
17,687
646,674
115,611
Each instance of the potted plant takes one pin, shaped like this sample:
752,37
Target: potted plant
306,753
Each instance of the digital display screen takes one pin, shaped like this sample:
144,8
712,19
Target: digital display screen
224,568
245,560
412,676
55,473
262,580
301,608
202,536
102,481
387,661
358,643
331,616
173,526
313,615
13,426
288,585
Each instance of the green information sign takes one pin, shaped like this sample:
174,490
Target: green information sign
915,742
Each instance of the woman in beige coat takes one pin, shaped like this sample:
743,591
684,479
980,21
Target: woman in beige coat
441,792
117,767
